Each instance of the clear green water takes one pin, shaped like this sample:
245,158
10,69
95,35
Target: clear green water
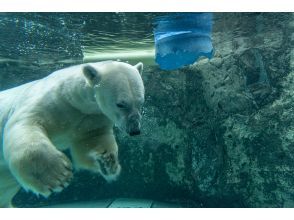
99,35
218,133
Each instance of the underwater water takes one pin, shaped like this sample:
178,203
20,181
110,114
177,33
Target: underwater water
217,133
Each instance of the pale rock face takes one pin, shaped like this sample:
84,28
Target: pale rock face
73,108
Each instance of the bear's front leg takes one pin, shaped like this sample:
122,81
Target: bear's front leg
33,160
98,153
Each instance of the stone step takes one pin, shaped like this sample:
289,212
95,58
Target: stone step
117,203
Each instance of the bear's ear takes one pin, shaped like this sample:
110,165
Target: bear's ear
93,77
139,67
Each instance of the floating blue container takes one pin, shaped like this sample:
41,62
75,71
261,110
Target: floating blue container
181,38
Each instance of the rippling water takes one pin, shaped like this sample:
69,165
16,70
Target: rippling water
36,36
118,36
117,31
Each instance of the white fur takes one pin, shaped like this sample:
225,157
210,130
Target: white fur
64,110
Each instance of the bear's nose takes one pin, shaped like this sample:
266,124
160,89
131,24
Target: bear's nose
136,132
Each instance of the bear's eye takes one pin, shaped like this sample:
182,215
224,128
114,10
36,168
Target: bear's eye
120,105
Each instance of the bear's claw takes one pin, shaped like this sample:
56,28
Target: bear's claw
44,173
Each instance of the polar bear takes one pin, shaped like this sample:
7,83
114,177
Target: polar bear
73,108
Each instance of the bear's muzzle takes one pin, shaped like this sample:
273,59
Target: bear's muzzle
133,124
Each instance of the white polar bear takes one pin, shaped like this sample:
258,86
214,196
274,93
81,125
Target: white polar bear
73,108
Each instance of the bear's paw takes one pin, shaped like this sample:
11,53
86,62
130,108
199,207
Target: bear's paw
43,172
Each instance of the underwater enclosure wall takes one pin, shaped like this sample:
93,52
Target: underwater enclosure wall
218,133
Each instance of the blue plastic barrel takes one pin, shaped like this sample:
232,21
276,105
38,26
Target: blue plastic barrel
181,38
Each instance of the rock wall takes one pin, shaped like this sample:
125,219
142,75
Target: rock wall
219,133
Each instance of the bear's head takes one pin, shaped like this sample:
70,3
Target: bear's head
119,92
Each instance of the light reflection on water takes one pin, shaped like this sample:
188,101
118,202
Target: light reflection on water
42,34
54,37
118,31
